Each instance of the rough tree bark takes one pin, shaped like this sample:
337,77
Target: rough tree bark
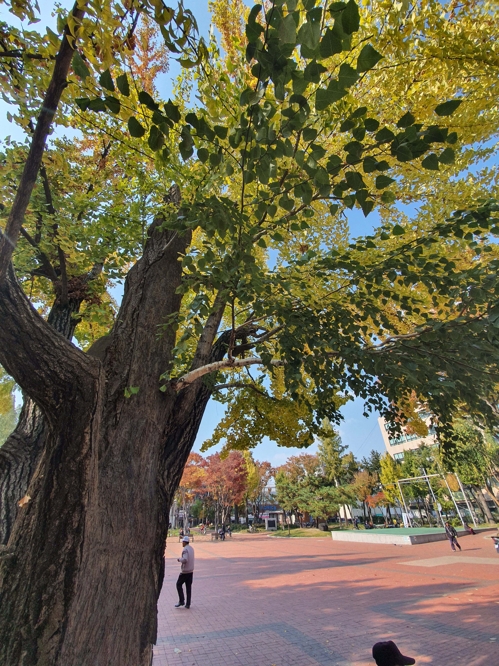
21,451
84,565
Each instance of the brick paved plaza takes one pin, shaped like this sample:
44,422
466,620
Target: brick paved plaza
261,600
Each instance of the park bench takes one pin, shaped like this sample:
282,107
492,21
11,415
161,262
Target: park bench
191,537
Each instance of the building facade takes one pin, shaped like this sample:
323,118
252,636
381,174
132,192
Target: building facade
396,445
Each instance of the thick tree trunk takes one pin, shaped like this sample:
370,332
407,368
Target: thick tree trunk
40,563
489,487
21,451
18,458
85,562
485,507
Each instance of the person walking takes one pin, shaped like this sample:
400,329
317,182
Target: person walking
452,536
186,572
496,542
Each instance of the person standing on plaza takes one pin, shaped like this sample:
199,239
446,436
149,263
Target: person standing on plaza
186,572
452,536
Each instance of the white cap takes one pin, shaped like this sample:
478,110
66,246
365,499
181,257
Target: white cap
185,539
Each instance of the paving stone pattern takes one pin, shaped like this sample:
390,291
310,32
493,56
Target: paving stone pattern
267,601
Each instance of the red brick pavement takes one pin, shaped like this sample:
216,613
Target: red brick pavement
269,601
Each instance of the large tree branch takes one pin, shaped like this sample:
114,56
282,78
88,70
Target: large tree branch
45,365
51,101
226,364
209,333
19,53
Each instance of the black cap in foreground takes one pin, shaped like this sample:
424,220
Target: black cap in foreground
386,653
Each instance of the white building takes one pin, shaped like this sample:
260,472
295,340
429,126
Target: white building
397,444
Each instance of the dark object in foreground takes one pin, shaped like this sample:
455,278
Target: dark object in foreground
386,653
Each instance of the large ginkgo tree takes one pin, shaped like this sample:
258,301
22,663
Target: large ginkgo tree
246,265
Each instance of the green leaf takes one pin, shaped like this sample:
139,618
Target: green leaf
325,97
313,71
253,29
366,206
286,203
347,75
123,85
447,156
407,120
192,119
330,44
350,18
371,124
403,153
388,197
309,34
106,81
97,105
334,164
383,181
385,135
83,103
146,99
368,58
287,30
156,138
215,159
430,162
112,104
358,113
354,180
203,155
309,134
79,66
221,131
398,230
172,111
448,108
452,138
135,128
369,164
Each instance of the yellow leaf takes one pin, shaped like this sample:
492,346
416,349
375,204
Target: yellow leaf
22,502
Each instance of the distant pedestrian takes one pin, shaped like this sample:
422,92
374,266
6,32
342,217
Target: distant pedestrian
452,536
386,653
469,529
356,523
496,542
186,572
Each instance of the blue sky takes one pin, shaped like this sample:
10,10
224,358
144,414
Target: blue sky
360,434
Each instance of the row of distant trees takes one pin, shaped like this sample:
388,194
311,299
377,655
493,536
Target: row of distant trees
212,487
321,484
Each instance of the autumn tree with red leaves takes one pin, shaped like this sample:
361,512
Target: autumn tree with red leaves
226,480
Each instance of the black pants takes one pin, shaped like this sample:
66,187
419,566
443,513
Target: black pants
187,579
453,543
